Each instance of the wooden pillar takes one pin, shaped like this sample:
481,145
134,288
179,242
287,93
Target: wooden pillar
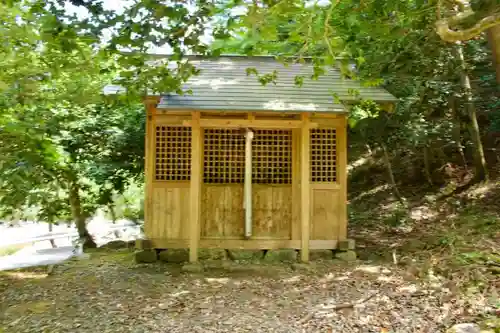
341,133
305,209
295,226
195,187
149,158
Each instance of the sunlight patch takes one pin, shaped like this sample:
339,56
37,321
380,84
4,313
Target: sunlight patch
26,275
355,164
331,277
422,213
480,191
372,269
292,279
372,191
215,84
328,277
182,292
217,280
341,278
408,289
385,278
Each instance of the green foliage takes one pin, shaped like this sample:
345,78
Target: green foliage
392,44
363,110
59,131
398,217
476,220
263,78
136,27
495,121
129,204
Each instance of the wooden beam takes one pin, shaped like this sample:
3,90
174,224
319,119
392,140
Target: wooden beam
325,186
305,209
244,123
243,244
195,188
149,166
327,122
342,177
172,184
162,119
326,115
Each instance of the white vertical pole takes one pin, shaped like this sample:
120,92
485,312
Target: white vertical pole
247,195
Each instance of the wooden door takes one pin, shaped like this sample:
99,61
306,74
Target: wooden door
272,184
224,169
222,190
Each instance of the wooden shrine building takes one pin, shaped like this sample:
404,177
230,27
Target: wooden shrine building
240,165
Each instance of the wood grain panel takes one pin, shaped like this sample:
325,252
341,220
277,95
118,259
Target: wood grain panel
325,214
272,211
234,212
170,213
223,214
222,211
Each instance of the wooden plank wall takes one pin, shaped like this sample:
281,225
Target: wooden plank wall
272,211
223,214
325,219
276,208
222,211
171,211
329,200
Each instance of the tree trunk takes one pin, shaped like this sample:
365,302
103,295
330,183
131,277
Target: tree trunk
111,208
494,41
52,242
427,165
479,159
456,133
390,173
79,218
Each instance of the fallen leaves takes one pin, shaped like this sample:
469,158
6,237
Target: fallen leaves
118,295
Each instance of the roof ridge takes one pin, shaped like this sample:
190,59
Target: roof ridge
226,55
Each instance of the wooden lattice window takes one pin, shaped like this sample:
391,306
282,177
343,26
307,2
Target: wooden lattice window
224,156
173,153
323,155
272,157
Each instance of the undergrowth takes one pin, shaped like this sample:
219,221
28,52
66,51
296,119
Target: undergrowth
456,237
452,237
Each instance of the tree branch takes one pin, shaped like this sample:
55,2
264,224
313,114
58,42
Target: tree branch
462,4
447,34
325,33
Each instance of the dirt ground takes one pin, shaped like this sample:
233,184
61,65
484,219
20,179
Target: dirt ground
109,292
421,267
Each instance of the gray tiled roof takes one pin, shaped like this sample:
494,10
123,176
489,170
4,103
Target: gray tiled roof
223,84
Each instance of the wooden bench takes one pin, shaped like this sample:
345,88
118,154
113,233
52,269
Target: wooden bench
53,256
